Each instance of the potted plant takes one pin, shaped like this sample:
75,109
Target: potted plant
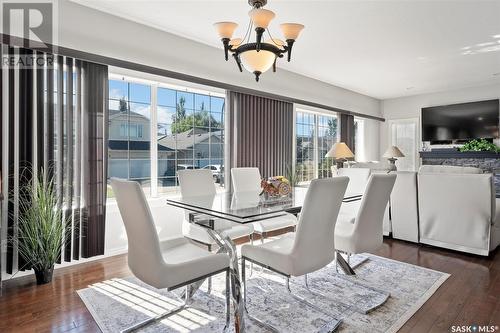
480,145
41,226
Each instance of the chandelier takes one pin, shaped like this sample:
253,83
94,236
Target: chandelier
259,56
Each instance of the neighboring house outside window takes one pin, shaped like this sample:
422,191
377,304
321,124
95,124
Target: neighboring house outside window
188,128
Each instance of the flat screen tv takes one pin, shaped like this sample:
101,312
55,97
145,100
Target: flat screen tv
458,123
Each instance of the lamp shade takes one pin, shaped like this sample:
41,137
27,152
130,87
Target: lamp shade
261,17
392,152
225,29
276,42
235,42
254,61
291,30
340,150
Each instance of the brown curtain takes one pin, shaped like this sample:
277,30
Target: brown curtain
347,131
261,133
56,116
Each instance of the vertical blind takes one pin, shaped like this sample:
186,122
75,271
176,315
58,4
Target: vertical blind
54,118
347,131
261,133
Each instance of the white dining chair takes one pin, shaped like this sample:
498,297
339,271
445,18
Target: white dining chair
169,264
198,183
308,249
247,180
358,179
364,231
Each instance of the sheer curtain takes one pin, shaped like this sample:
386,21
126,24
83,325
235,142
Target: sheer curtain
54,117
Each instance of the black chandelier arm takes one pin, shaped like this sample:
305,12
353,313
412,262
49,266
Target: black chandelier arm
289,43
238,61
257,75
259,32
263,46
225,42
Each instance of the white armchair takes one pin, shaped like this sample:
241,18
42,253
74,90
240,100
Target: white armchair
458,211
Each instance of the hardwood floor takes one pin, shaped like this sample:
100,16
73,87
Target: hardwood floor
470,296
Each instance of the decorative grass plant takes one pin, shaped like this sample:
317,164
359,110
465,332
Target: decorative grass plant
41,226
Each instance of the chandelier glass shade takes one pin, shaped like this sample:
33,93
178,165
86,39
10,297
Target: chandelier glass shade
257,56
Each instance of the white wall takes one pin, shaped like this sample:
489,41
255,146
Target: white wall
410,107
86,29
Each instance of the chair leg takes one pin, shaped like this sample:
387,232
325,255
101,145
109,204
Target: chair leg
333,325
228,299
251,264
336,262
306,282
262,242
346,268
187,295
244,282
209,288
159,317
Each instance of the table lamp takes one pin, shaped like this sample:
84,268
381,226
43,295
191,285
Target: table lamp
340,152
391,154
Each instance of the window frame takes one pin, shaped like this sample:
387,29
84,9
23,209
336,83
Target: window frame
154,85
315,112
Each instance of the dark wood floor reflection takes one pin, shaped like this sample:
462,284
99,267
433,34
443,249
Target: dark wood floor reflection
470,296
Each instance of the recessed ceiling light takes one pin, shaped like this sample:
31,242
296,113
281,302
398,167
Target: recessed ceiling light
496,36
409,88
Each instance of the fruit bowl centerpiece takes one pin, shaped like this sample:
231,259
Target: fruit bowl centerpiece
276,186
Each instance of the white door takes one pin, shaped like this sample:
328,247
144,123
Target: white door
403,133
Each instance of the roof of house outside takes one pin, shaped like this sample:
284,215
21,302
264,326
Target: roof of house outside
187,139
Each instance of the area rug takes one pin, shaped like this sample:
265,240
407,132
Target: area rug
120,303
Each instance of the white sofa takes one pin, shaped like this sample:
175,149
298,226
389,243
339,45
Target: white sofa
458,209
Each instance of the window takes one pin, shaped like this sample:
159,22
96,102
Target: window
315,135
327,136
304,165
129,152
190,135
403,134
187,126
359,140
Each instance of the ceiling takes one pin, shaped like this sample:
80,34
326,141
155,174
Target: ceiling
383,49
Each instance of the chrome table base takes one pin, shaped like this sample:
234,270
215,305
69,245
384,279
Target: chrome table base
226,245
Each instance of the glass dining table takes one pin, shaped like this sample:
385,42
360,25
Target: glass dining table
243,207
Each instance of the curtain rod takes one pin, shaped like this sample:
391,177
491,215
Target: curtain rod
105,60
